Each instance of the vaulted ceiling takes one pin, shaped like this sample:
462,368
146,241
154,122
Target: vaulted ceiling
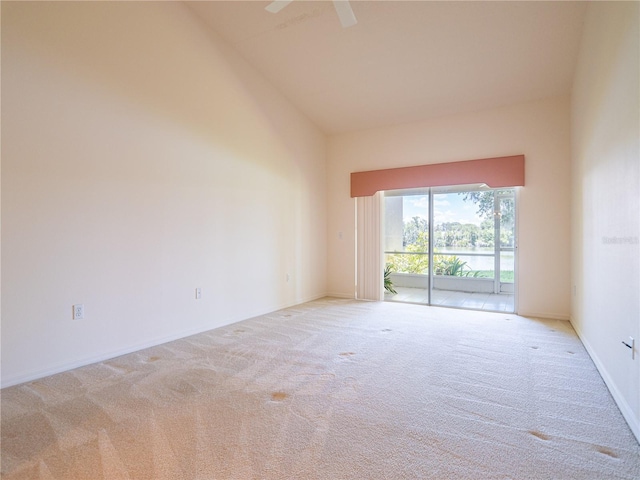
404,61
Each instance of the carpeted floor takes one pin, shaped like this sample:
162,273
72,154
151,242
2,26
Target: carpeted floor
332,389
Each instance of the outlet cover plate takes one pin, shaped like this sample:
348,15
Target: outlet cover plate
78,311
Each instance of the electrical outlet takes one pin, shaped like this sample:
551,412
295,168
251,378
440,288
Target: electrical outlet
78,311
198,293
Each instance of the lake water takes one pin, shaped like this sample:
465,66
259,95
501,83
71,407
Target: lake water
479,263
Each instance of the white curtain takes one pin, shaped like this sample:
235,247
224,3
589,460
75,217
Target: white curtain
369,258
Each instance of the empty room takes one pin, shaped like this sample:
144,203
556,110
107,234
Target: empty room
320,240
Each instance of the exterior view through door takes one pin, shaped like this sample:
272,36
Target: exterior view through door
451,246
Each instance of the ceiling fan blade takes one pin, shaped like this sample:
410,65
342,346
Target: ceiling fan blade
345,13
275,7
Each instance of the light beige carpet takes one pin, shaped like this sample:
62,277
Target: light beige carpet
333,389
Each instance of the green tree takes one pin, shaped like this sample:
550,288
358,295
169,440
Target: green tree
487,233
408,263
471,234
413,228
456,234
484,200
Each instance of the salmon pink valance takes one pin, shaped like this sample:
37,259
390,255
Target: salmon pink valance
494,172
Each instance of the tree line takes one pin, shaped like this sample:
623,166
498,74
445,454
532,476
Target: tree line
451,234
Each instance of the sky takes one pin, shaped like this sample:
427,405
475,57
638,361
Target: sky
448,207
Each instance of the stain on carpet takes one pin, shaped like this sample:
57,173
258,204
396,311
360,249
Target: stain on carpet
539,435
279,396
606,451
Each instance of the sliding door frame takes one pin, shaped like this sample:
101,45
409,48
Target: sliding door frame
497,250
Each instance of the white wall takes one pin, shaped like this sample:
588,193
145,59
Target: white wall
539,130
606,197
141,159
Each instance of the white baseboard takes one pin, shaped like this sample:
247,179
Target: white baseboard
549,316
153,342
341,295
66,366
625,408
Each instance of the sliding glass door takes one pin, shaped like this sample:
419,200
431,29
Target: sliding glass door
506,216
451,247
406,245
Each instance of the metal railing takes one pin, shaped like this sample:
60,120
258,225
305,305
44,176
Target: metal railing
457,254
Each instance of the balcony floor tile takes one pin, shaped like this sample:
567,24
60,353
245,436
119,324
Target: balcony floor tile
502,302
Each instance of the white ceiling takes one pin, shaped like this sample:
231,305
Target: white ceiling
404,61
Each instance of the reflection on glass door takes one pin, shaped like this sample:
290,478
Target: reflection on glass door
451,247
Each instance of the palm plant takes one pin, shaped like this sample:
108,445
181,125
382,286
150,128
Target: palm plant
388,284
451,265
